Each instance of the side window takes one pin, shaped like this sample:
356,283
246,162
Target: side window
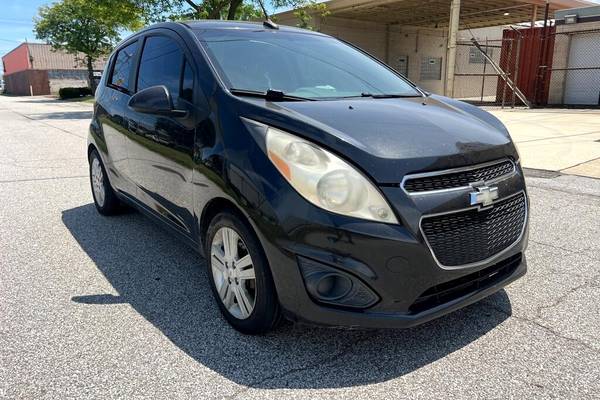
187,83
160,65
122,68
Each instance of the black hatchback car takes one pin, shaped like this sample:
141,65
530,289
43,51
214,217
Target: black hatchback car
319,184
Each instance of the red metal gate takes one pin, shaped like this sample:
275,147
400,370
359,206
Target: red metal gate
526,57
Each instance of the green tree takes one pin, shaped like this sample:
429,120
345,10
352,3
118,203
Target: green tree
93,27
88,27
239,9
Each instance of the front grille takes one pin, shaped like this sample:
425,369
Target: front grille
458,179
448,291
474,235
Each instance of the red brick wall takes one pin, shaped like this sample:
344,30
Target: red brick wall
17,60
19,83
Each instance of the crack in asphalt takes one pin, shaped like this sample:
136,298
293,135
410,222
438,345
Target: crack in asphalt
537,320
44,123
551,189
558,137
324,362
46,179
16,163
570,251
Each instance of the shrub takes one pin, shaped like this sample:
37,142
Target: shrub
74,92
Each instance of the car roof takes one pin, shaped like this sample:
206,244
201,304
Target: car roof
216,25
242,25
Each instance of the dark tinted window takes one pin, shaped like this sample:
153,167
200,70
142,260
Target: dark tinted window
187,83
123,64
160,64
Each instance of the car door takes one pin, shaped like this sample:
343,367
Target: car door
112,115
161,147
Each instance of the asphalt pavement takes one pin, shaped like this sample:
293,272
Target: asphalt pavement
96,307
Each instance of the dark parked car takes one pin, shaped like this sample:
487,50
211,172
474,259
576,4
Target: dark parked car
319,184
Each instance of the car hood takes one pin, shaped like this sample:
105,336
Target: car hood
392,137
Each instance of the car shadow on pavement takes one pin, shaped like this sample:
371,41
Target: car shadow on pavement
165,282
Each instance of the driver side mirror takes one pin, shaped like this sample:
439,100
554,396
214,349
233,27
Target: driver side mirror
155,100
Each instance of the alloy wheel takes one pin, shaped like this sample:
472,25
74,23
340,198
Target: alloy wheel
233,273
98,182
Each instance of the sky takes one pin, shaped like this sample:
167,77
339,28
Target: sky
16,22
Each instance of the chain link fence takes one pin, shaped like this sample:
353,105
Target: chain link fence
478,72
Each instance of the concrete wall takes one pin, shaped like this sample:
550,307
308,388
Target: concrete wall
387,43
392,43
419,44
471,87
58,79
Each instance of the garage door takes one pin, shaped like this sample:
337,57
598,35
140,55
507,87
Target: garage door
582,86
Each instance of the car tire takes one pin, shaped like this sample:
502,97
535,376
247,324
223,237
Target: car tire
249,305
105,199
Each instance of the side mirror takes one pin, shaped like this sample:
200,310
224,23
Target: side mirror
155,100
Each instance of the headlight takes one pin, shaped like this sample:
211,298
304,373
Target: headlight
324,179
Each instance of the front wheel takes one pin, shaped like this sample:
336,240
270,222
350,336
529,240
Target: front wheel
240,276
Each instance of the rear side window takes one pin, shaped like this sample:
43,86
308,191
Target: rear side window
160,65
122,68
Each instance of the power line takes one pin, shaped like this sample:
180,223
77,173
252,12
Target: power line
16,21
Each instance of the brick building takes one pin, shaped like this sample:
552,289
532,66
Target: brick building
36,68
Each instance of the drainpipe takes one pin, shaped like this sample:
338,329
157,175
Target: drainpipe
451,54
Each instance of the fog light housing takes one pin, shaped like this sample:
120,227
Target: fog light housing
331,286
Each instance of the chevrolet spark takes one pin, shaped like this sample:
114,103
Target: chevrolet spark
320,185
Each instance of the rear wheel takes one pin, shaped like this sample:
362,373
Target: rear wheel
105,199
240,276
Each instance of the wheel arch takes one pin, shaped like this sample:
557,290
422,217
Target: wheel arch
214,207
91,147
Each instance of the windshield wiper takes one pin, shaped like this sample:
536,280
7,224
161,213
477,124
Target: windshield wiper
389,95
270,95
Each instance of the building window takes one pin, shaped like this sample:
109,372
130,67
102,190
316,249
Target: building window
431,68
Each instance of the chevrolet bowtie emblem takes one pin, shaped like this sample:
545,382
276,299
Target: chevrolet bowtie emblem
484,195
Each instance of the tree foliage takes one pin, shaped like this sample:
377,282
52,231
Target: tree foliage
93,27
158,10
89,27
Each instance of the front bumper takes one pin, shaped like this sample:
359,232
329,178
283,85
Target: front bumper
398,267
394,261
380,319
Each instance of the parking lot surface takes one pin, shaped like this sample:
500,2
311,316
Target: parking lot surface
566,140
96,307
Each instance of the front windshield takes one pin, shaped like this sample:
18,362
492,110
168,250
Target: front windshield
302,65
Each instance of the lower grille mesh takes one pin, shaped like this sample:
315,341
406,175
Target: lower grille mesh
475,235
448,291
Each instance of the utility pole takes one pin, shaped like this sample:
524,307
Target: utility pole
452,39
